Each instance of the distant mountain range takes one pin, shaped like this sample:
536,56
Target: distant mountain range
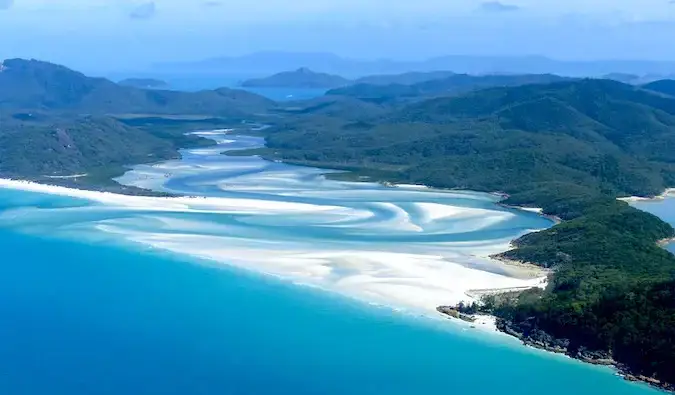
411,84
265,63
306,78
453,84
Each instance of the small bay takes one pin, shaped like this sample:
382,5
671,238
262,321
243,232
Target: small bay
662,208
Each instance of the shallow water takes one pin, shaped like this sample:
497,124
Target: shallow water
409,246
662,208
95,300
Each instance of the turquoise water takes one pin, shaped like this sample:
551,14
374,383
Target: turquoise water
90,319
664,209
103,297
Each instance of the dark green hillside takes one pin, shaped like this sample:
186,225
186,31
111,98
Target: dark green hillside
451,85
101,147
301,78
410,78
35,85
602,135
667,87
331,106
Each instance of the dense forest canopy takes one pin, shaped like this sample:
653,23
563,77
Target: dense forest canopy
36,85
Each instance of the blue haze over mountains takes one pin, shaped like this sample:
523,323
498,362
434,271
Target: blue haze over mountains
261,63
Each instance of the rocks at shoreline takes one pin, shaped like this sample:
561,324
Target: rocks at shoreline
454,313
544,341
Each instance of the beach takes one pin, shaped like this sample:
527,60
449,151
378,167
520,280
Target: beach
422,280
398,252
408,247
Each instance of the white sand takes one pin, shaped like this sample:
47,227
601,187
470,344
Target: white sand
70,176
667,193
177,204
535,210
411,186
419,277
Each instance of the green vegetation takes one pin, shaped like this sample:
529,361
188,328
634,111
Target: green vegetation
410,78
569,147
60,126
97,148
40,86
667,87
375,91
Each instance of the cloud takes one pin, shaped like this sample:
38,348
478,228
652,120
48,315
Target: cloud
496,6
6,4
143,11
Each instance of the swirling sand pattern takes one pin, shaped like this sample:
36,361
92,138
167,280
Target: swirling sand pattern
406,246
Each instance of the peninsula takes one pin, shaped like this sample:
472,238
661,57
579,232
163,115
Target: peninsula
571,148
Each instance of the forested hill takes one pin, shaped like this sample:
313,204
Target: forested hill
301,78
449,84
602,135
571,147
56,123
36,85
667,87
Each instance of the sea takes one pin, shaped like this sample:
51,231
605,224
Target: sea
107,296
192,82
662,208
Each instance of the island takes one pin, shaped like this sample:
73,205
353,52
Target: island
569,147
302,78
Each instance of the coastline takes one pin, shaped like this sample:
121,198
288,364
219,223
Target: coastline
489,323
555,219
521,276
409,266
669,192
545,342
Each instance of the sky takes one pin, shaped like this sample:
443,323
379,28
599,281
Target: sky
133,34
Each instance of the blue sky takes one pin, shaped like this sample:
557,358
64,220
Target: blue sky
128,34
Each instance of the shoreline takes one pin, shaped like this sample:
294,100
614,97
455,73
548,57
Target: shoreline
187,203
555,219
543,341
669,192
432,285
490,323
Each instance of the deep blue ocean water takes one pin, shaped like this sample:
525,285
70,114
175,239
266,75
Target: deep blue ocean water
90,319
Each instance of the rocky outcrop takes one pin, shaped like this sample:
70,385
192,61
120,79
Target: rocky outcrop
531,336
454,313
